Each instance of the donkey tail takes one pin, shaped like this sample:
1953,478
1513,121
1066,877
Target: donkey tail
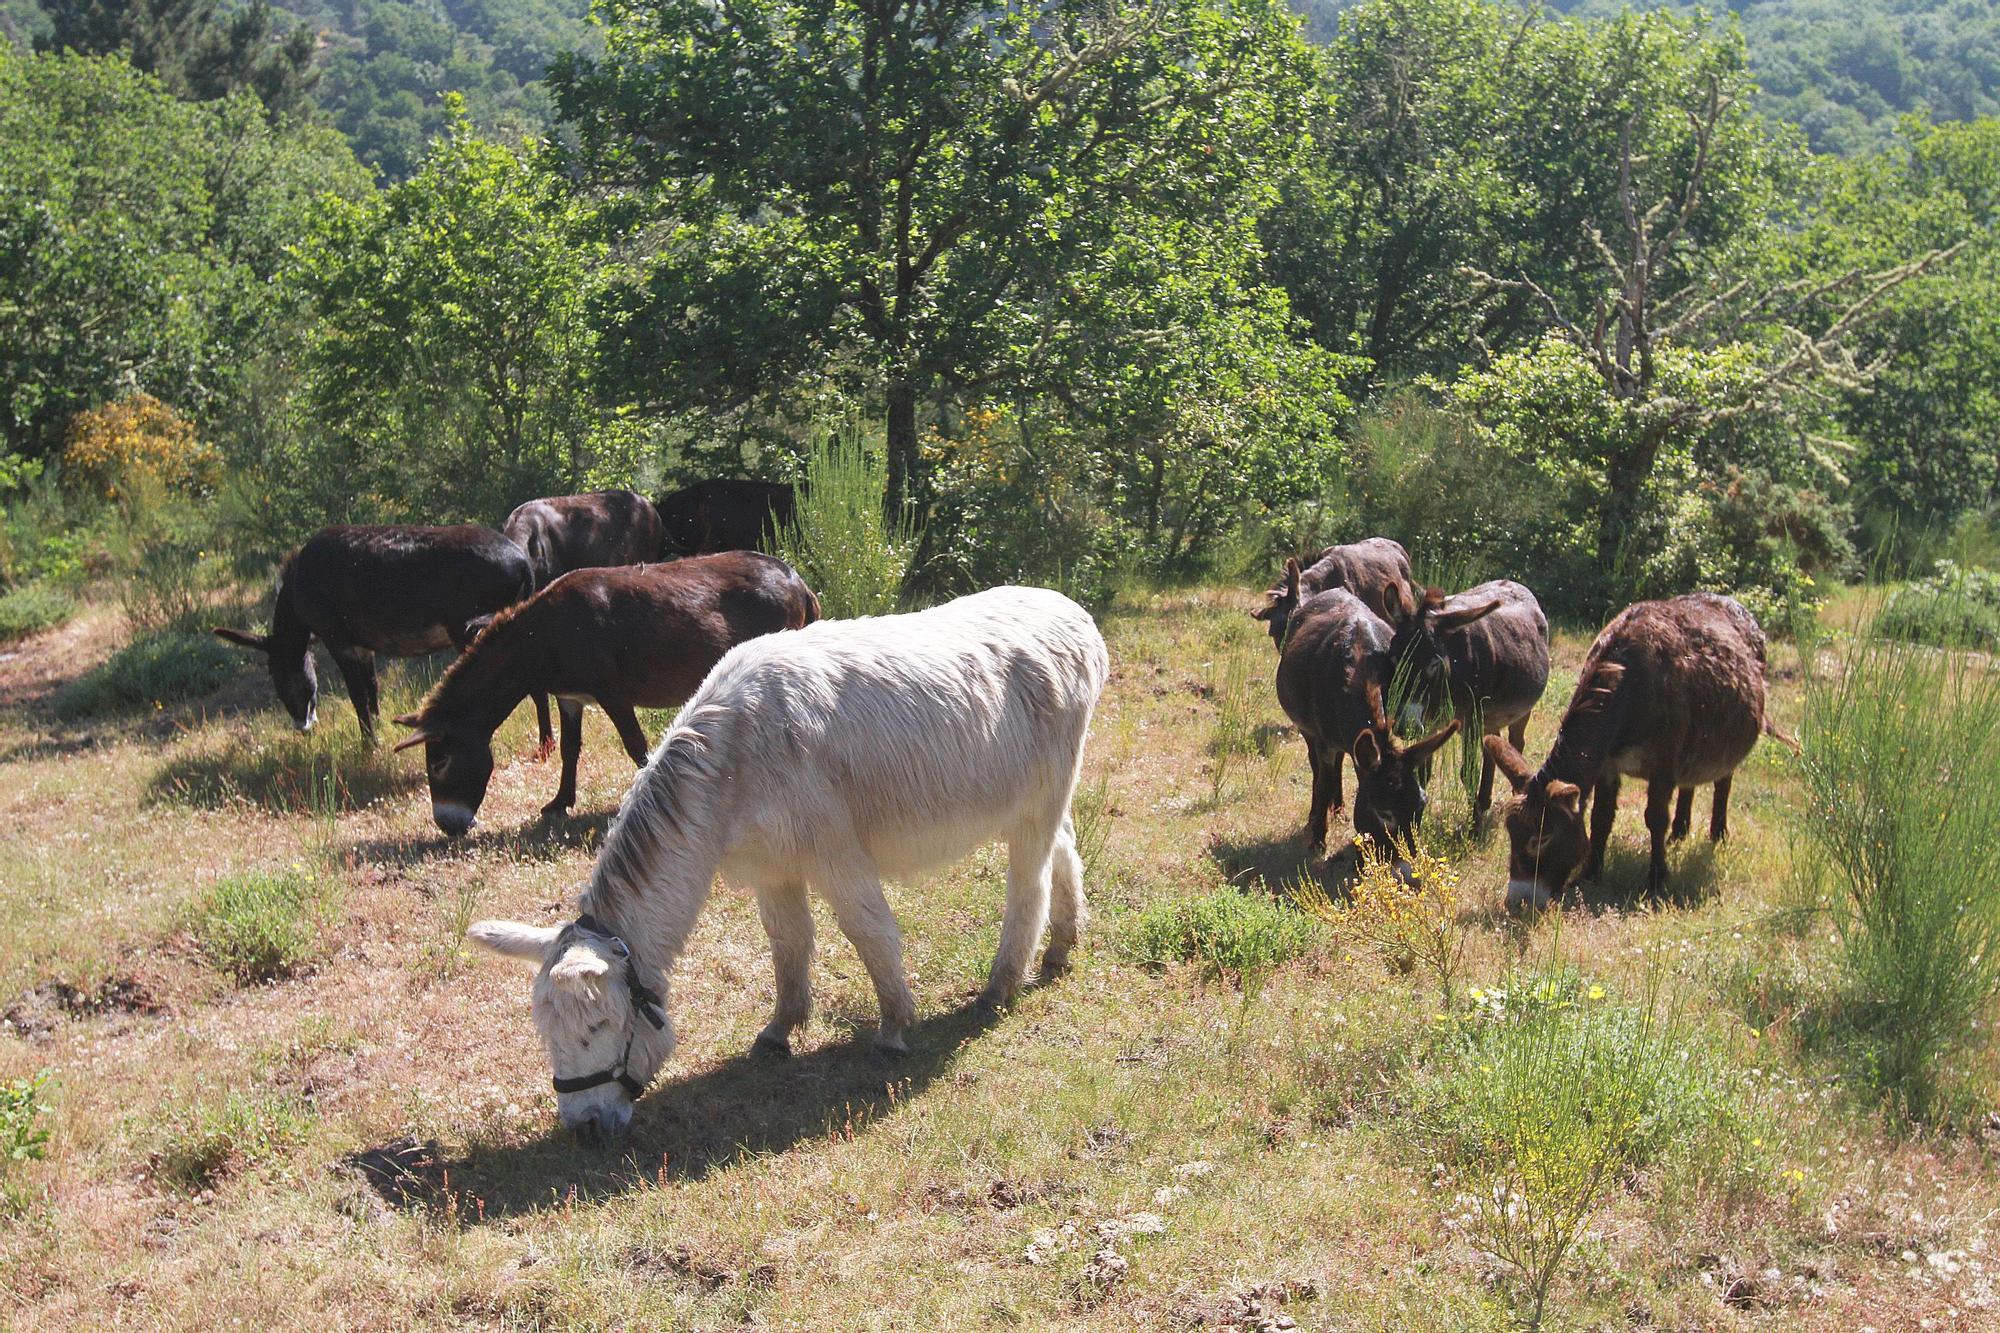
1779,735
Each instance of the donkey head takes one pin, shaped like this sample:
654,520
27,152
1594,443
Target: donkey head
1420,645
292,673
1389,796
458,763
1546,840
1279,604
606,1033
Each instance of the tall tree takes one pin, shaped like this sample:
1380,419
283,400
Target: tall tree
893,189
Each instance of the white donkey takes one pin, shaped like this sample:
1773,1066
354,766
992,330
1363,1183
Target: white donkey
830,756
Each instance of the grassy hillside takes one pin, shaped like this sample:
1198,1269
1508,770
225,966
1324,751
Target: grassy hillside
366,1139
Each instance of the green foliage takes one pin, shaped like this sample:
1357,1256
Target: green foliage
1900,843
1231,933
139,236
203,1145
449,374
23,1135
1953,608
151,673
1548,1092
32,608
193,49
839,540
259,926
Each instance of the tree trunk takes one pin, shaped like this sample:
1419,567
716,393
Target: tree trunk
902,404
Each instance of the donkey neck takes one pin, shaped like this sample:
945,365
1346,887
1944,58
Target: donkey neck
1588,734
501,667
290,635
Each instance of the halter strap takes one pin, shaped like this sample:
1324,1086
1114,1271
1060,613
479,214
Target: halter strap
644,998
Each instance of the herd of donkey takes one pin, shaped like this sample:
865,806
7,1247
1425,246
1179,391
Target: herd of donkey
829,754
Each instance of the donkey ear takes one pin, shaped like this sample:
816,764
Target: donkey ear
1508,760
1567,795
1450,620
1292,572
1397,603
1423,748
244,639
515,939
1367,753
415,738
1268,609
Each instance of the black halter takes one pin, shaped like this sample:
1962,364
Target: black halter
644,998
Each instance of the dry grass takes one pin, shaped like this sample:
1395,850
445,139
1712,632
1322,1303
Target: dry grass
373,1142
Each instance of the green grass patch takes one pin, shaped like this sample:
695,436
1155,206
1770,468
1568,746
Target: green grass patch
153,672
32,608
259,926
206,1144
838,540
1229,932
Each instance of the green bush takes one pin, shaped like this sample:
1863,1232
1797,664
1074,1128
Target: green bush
164,669
204,1145
1955,607
1547,1092
1899,842
839,540
32,608
258,926
1227,931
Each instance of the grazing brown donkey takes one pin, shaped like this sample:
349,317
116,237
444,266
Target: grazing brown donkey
1671,693
634,636
397,591
1485,652
1331,676
1370,569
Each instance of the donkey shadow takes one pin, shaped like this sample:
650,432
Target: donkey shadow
543,838
1278,865
1694,875
687,1128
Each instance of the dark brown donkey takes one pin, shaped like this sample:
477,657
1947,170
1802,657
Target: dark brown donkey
397,591
1671,693
565,532
725,515
1369,569
1331,676
637,636
1485,654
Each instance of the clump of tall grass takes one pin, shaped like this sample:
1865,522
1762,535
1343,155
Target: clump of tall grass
1547,1092
1232,732
1236,935
1899,842
259,926
843,544
202,1145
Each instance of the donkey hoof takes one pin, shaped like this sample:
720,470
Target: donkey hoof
771,1048
992,1001
890,1049
557,808
1055,963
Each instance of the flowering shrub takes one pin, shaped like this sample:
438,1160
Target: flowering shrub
110,448
1409,918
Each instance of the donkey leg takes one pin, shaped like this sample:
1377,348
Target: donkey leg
629,730
1603,812
1683,815
357,672
1322,797
865,918
1658,797
1066,908
788,922
1718,811
1029,851
544,733
572,749
1333,768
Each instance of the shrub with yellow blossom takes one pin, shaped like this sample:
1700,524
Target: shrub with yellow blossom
1404,908
135,444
